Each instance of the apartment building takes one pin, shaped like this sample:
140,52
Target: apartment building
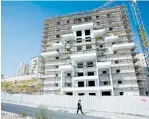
34,65
89,53
23,69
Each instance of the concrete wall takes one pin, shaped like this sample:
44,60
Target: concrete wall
135,105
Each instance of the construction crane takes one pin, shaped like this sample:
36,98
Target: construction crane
106,4
140,27
141,31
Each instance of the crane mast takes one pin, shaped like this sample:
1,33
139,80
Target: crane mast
141,31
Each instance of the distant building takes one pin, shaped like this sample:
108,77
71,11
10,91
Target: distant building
34,65
2,76
23,69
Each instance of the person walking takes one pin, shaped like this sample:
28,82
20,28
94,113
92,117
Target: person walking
79,107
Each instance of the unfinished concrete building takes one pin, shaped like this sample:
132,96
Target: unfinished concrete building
89,53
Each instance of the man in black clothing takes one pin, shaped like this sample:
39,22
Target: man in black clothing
79,107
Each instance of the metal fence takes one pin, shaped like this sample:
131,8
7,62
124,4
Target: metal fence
134,105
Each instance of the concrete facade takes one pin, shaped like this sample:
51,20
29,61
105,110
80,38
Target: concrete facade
90,53
143,68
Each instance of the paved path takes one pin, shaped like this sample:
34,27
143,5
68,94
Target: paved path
18,109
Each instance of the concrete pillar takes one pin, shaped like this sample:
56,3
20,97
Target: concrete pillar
85,83
111,80
73,75
97,76
61,81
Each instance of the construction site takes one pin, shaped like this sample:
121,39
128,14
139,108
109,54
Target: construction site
93,53
89,62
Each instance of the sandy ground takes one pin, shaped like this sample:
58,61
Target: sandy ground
8,115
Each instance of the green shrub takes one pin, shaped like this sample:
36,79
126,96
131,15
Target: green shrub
41,112
98,38
23,114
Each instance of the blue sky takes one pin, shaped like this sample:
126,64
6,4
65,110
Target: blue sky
22,27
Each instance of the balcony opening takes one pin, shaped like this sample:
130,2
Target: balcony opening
78,33
113,43
68,50
80,74
89,64
125,27
68,93
116,62
80,65
91,83
57,36
56,84
90,73
119,82
98,22
81,84
58,23
108,15
110,29
92,94
106,93
68,41
68,21
79,40
86,19
56,66
106,83
68,84
68,74
80,94
57,42
88,47
117,71
87,32
104,72
115,52
87,39
101,46
97,17
56,75
121,93
57,57
79,48
79,20
57,50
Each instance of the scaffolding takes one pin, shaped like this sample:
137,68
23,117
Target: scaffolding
114,18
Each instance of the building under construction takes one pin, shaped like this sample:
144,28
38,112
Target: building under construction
90,53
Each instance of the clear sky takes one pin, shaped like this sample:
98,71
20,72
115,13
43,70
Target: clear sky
22,27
